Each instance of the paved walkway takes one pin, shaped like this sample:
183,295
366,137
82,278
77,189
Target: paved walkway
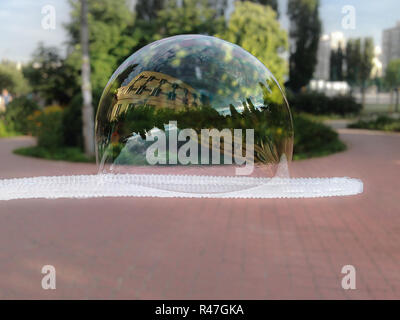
195,248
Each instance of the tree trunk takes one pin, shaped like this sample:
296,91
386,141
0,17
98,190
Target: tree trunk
397,100
87,108
363,96
391,100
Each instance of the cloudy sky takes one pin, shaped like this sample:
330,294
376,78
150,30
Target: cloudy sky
21,22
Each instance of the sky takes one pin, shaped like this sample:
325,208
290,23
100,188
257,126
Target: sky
21,22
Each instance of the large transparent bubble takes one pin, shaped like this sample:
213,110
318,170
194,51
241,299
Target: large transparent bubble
189,116
193,105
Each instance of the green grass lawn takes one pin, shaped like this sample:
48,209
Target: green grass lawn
6,132
383,122
377,108
65,153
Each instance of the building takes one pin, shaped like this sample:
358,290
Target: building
157,90
390,45
327,43
323,58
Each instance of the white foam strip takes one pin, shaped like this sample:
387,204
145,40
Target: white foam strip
181,186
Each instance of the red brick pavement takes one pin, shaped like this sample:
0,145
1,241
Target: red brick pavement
209,248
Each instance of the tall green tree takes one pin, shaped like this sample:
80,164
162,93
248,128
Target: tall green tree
188,17
336,64
255,28
352,58
50,77
367,55
109,41
359,55
305,31
272,3
392,78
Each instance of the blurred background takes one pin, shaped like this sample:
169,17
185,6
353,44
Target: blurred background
338,61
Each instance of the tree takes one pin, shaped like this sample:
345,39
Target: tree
336,64
359,55
272,3
188,17
305,30
255,28
367,54
353,56
12,79
392,78
147,9
87,109
50,77
109,40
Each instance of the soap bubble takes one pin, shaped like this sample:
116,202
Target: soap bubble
193,105
189,116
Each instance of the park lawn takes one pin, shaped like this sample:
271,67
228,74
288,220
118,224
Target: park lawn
383,123
71,154
6,132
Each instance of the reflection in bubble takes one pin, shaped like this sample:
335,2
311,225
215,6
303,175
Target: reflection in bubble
196,105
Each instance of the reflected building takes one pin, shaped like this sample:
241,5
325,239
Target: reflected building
154,89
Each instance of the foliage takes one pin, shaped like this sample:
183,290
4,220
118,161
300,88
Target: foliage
17,113
12,79
109,42
384,123
47,126
336,64
5,131
72,123
64,153
392,78
314,139
319,103
392,75
50,76
146,10
305,30
191,17
255,28
359,55
272,3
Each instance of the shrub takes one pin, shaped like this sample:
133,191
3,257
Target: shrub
72,123
384,123
47,126
5,131
312,139
17,113
319,103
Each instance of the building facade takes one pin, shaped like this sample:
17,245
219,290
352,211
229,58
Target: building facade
390,45
327,43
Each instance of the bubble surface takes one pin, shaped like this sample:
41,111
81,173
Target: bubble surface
194,105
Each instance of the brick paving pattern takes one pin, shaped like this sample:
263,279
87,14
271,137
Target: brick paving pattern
142,248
